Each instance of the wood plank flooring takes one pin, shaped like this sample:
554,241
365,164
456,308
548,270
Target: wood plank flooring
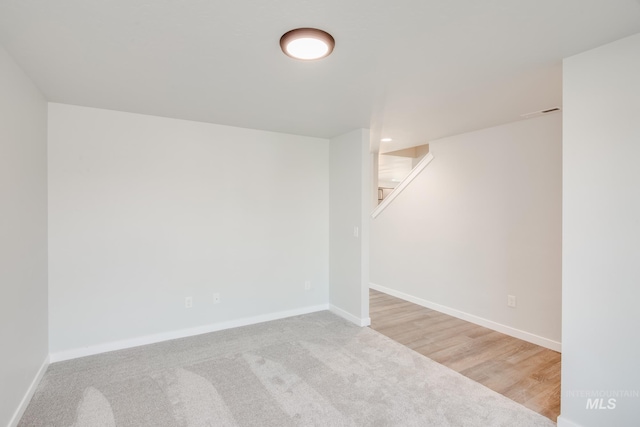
521,371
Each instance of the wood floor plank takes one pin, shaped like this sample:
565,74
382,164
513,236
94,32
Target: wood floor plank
524,372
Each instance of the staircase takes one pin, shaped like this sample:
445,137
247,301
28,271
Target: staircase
395,166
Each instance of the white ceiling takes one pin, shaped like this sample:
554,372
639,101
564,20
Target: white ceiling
414,70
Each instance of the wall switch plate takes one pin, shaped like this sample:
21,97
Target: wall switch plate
307,285
216,298
511,301
356,231
188,302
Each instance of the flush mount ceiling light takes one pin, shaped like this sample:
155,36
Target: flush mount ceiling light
307,43
386,140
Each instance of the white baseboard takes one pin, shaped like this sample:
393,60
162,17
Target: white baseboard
166,336
17,415
350,317
563,422
507,330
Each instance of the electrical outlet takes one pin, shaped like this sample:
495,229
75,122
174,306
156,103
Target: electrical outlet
216,298
188,302
511,301
307,285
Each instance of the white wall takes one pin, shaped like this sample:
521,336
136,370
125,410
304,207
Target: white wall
145,211
23,236
481,222
350,204
601,235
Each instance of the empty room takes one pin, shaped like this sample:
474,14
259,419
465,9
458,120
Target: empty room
297,213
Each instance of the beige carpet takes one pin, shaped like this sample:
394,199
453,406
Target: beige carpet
312,370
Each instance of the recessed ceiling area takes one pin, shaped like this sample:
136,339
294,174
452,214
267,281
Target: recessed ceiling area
414,70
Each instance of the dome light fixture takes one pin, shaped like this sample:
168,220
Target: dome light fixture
307,44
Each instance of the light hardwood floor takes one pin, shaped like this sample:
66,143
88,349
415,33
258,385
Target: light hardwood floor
521,371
